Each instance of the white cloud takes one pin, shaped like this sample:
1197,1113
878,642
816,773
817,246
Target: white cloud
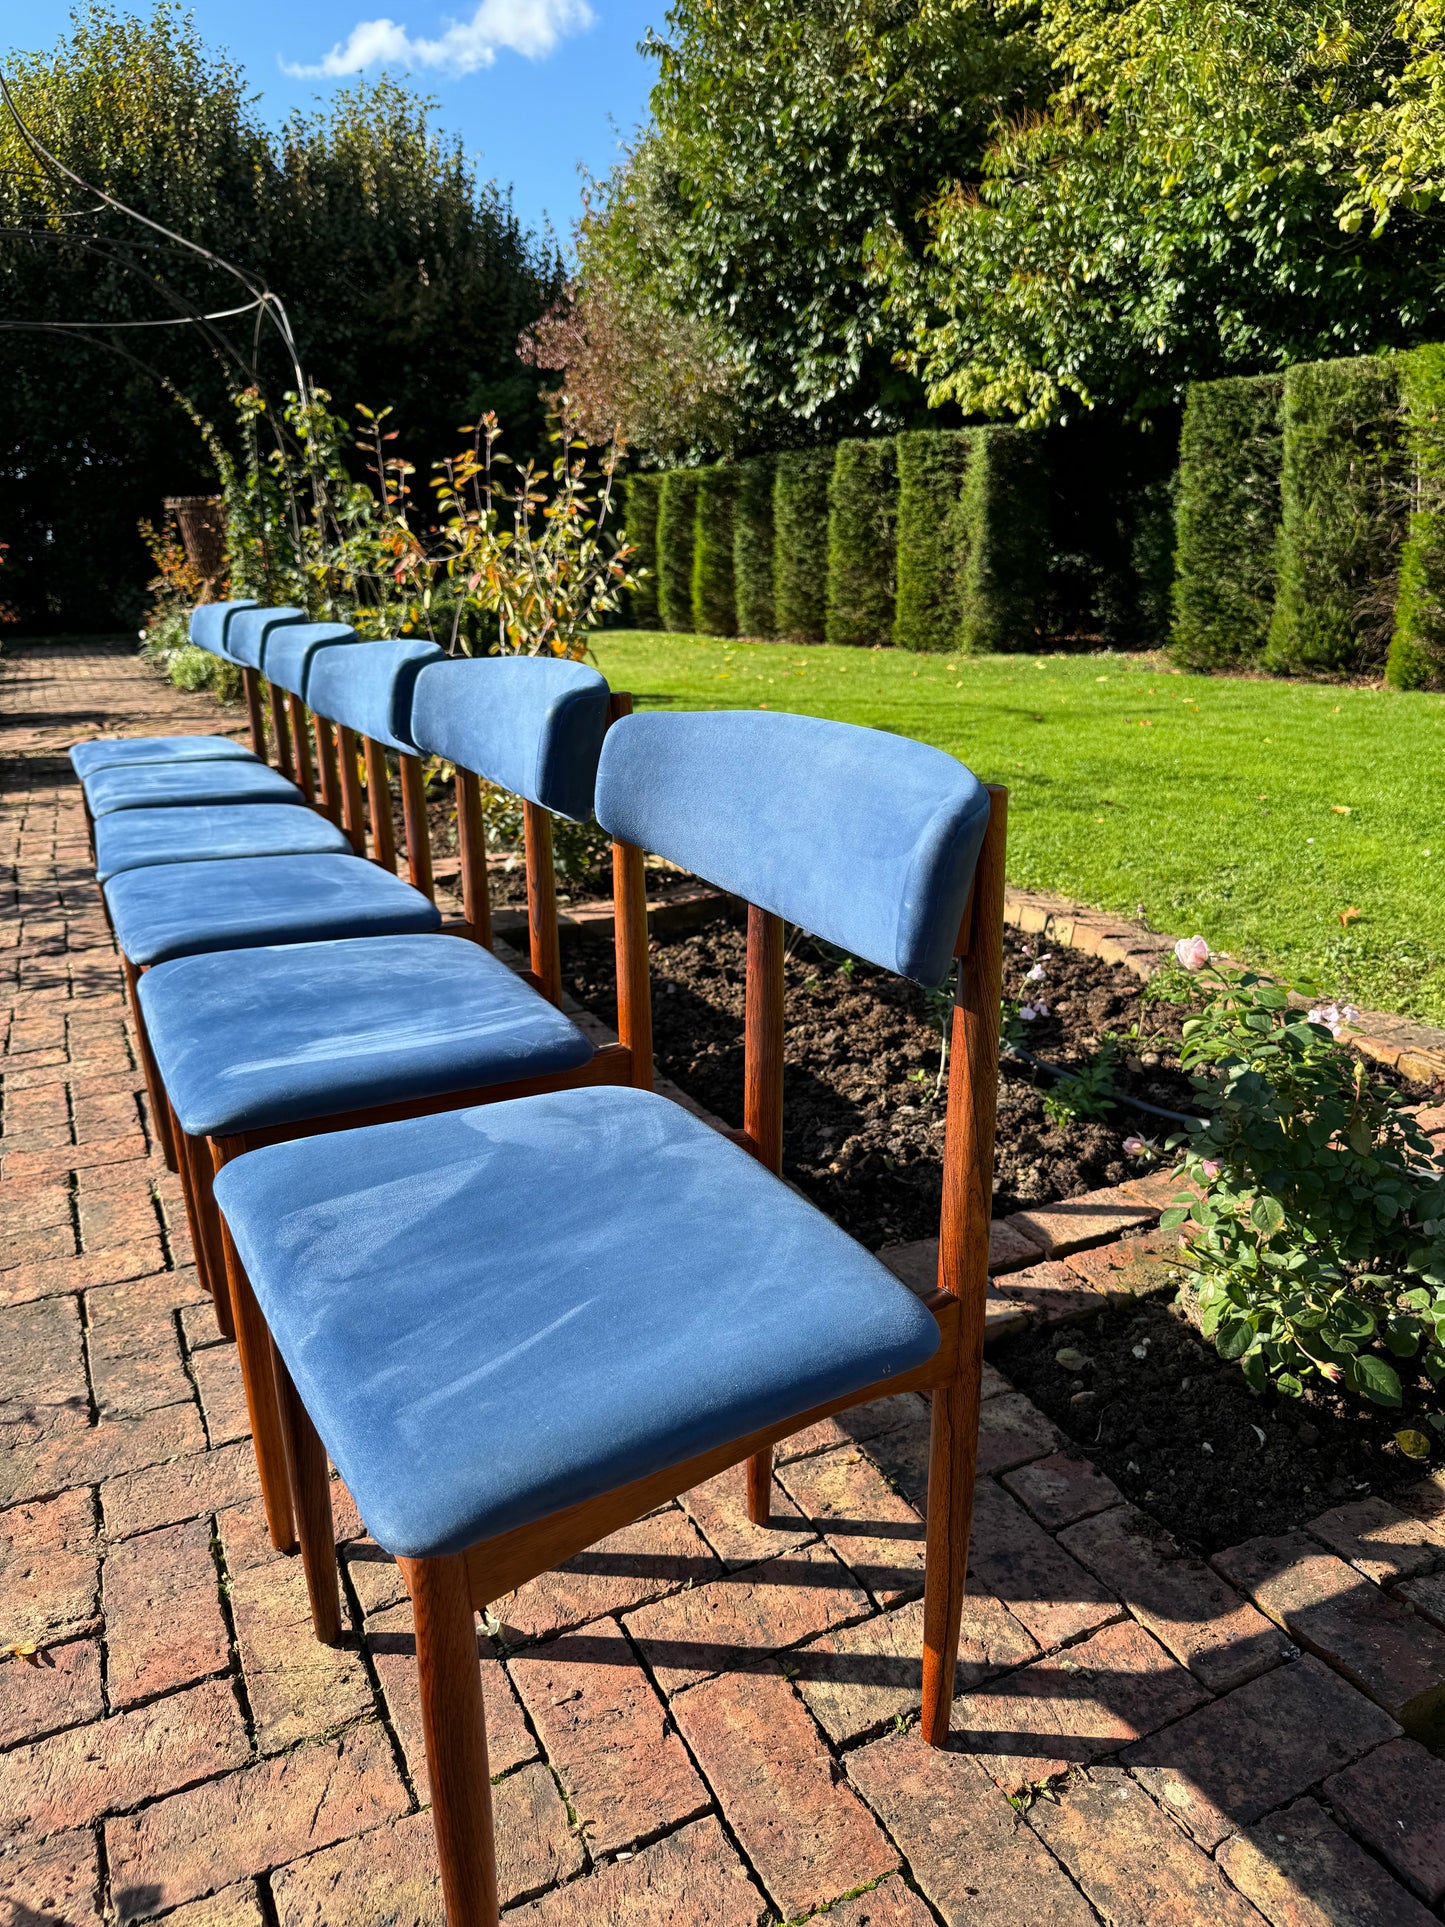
530,27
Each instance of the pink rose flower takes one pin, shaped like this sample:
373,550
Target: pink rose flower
1135,1147
1210,1168
1192,952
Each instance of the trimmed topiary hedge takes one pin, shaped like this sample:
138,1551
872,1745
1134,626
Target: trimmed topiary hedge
862,523
1417,648
932,464
1000,528
676,531
1227,520
639,516
800,538
714,609
753,547
1340,515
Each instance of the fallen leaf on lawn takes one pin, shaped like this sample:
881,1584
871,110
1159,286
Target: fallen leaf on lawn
1340,809
27,1649
1347,917
1413,1444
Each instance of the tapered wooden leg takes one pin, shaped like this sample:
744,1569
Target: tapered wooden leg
205,1224
327,776
160,1104
763,1107
311,1498
253,1348
760,1487
301,746
251,683
952,1459
280,731
456,1738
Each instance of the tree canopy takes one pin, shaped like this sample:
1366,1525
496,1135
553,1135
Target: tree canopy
407,282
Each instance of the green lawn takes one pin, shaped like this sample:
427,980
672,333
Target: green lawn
1252,812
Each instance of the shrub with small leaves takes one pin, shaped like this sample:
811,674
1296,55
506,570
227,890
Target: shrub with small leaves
1316,1235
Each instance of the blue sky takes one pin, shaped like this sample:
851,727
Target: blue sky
533,86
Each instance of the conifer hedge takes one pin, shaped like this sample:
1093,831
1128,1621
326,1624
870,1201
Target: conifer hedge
800,541
1000,533
676,530
932,464
639,510
1417,648
753,547
862,522
714,608
1340,507
1227,520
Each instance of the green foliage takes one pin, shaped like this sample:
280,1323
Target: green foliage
784,133
800,537
862,522
676,536
427,283
932,465
640,507
1001,531
1175,212
1230,453
1087,1092
1417,649
714,604
1317,1239
581,852
1340,516
753,546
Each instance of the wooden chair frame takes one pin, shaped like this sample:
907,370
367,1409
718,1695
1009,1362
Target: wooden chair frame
447,1592
629,1061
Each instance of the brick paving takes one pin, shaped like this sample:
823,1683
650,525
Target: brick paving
696,1722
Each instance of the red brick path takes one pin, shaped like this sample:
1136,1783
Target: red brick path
696,1722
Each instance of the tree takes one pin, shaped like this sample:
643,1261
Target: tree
1175,214
786,134
407,281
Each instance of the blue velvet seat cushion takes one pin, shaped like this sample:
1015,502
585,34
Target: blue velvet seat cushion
279,1036
128,839
494,1313
179,909
370,689
115,752
211,621
533,724
248,629
290,650
864,838
153,786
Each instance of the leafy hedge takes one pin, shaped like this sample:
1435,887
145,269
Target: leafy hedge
1001,538
753,546
1340,506
1228,516
800,535
932,465
676,530
714,608
862,521
1417,649
640,505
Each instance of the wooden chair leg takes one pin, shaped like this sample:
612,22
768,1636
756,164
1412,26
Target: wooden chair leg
952,1460
760,1487
311,1499
160,1104
253,1348
455,1729
205,1225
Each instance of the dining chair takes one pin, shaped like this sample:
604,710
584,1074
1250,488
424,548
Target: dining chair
516,1328
276,1043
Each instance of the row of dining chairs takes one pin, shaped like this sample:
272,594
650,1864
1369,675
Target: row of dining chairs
473,1261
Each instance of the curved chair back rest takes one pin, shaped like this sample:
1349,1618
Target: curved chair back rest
532,724
248,630
867,840
370,689
290,651
210,622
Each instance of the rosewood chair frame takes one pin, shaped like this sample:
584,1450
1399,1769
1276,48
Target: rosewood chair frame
628,1061
446,1592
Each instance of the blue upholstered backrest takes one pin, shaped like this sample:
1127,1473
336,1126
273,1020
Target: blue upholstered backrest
533,724
289,652
248,629
866,839
370,688
211,620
